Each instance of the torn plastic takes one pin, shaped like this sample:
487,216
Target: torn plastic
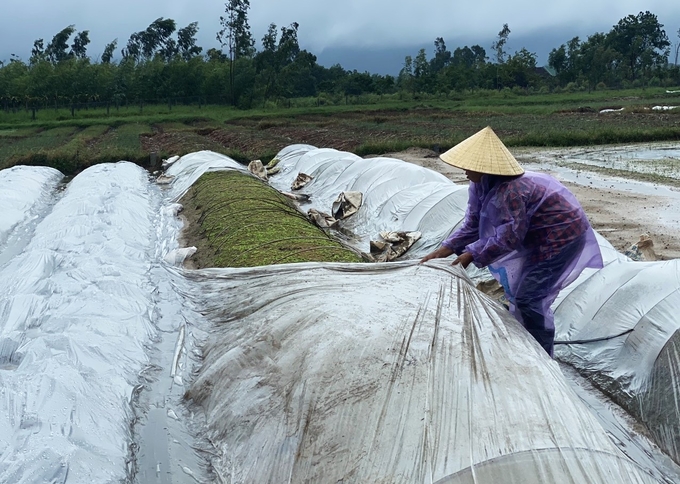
426,380
167,163
300,181
397,196
393,245
172,209
257,168
346,205
178,256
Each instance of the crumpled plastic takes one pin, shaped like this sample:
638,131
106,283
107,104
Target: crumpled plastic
300,181
177,257
322,219
24,193
397,196
392,245
76,312
257,168
424,380
346,205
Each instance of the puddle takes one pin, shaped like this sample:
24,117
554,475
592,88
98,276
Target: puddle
656,158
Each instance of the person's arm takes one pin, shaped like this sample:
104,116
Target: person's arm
469,231
511,226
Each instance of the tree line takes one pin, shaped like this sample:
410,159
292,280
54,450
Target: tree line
163,63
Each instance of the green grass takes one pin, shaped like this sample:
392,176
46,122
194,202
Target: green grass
236,220
388,125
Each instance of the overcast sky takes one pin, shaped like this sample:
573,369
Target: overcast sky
342,31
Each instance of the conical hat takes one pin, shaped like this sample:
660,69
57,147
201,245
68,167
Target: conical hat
483,152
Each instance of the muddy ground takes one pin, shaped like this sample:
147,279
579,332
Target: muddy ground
620,216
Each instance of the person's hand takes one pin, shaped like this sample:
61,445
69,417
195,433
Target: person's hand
431,255
436,254
464,260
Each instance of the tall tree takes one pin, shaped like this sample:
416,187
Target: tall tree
499,48
79,46
597,61
499,44
57,49
235,35
406,79
442,56
186,41
641,41
154,40
38,51
421,71
110,48
288,48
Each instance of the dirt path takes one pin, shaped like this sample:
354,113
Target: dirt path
620,210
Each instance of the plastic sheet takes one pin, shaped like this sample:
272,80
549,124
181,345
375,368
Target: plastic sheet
639,368
25,193
385,373
75,318
189,168
397,196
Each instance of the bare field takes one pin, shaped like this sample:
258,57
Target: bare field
621,206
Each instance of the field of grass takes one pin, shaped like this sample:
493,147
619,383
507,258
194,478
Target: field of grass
55,138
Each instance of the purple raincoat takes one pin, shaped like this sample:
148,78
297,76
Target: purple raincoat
534,236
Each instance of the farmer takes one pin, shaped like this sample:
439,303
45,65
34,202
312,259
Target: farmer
528,228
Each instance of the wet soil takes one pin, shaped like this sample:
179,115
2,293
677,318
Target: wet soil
620,216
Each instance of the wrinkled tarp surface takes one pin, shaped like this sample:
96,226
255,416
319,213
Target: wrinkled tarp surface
87,323
76,304
335,373
88,320
397,196
25,192
639,368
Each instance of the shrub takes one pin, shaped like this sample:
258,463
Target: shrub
654,82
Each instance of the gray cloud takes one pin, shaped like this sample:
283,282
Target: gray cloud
351,24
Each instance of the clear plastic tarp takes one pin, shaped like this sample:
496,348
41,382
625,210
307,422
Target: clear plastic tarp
385,373
346,373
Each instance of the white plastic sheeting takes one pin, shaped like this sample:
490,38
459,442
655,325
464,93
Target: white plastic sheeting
638,369
191,167
75,317
25,191
398,196
394,373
